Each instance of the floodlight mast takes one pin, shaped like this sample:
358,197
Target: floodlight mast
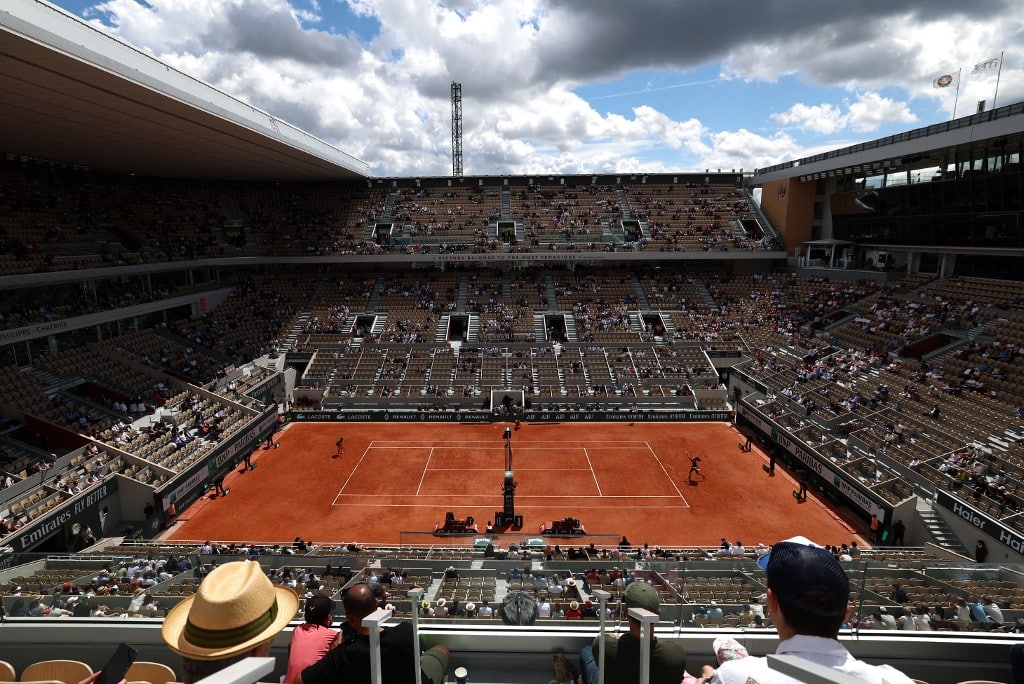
456,129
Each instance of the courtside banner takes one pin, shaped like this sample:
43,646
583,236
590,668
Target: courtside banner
982,521
380,416
851,489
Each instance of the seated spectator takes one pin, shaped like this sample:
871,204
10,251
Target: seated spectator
808,598
235,614
351,661
622,655
314,638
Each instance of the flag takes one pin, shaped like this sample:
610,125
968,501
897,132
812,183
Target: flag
987,65
945,81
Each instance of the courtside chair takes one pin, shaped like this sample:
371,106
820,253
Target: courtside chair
146,671
67,671
7,673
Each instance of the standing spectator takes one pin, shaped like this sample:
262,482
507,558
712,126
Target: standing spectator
899,530
980,551
235,614
875,525
312,640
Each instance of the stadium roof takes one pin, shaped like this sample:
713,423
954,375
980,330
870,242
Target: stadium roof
993,127
72,93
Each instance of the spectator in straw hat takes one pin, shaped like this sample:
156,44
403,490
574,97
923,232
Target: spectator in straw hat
441,607
312,640
573,612
235,614
808,600
351,662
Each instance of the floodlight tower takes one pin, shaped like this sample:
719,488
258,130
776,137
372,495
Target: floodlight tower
456,129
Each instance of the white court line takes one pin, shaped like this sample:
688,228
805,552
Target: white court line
426,466
341,492
501,470
476,445
667,475
592,473
518,506
432,446
530,496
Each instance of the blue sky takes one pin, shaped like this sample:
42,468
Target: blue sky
595,86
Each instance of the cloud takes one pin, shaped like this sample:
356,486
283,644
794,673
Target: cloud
374,76
868,113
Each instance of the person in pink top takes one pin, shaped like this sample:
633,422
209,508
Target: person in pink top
311,641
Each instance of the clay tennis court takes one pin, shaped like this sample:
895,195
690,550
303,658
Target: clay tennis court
617,479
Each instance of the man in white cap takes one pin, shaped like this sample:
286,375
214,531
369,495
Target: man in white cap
808,600
235,614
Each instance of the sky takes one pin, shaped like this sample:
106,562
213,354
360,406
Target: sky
587,86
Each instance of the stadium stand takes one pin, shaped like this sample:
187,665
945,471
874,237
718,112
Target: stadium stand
149,324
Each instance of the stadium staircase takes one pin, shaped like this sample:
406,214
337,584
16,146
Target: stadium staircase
835,325
230,220
441,333
766,225
378,325
506,206
704,292
740,232
638,289
506,286
624,206
371,301
462,300
570,329
304,317
636,322
549,290
540,331
385,217
938,530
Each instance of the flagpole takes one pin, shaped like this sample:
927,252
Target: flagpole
998,74
957,98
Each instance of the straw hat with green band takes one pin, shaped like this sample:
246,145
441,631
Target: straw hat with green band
235,609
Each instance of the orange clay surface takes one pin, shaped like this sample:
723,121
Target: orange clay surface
617,479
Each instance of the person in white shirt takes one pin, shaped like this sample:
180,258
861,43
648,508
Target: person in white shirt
485,610
992,609
808,600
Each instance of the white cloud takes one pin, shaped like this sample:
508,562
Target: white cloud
385,97
867,113
824,119
871,110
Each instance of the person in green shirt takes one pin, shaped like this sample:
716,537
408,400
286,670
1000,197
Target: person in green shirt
622,655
